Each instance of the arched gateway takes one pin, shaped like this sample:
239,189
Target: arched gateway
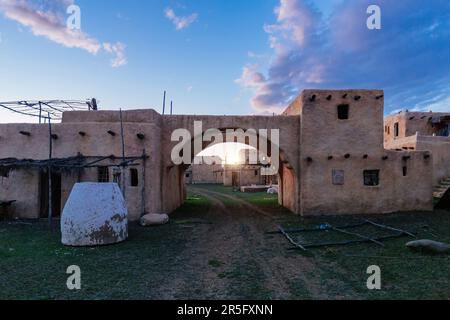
332,159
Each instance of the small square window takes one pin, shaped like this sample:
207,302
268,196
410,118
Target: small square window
134,178
103,174
338,177
343,111
371,178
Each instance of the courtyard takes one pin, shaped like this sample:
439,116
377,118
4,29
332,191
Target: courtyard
218,245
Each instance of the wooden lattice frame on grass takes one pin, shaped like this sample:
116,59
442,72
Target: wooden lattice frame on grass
397,233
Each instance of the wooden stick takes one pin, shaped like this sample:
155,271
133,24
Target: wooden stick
358,235
40,112
164,103
298,245
144,162
318,229
123,154
50,199
341,243
390,228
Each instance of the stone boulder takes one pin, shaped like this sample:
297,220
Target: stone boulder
272,190
95,214
429,246
154,219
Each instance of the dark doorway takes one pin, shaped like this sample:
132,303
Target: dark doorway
56,194
235,179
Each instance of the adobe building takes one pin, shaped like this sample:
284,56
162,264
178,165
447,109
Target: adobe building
229,175
244,173
425,131
205,173
332,158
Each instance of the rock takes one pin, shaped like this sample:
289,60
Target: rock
95,214
154,219
272,190
429,246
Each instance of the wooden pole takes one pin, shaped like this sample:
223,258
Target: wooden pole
50,208
123,153
40,112
358,235
295,243
144,163
171,107
389,228
164,103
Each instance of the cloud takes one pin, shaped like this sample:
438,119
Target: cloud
180,22
408,57
48,19
118,50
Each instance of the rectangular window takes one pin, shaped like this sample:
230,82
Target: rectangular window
256,172
338,177
103,174
396,129
371,178
343,111
405,171
134,177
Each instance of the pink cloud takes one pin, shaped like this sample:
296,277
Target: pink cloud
180,22
47,19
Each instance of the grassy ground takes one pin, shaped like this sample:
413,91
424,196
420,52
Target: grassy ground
216,246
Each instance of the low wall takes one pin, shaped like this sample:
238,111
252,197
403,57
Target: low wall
395,192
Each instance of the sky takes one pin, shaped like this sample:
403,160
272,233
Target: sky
223,57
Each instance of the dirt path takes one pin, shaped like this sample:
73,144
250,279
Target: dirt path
232,257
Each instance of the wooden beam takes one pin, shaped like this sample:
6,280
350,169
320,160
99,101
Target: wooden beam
298,245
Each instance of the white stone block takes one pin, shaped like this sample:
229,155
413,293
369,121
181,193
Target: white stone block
95,214
154,219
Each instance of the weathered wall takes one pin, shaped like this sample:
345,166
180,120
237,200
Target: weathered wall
96,142
313,142
247,175
421,140
288,188
354,145
411,123
440,148
395,192
288,126
209,174
22,186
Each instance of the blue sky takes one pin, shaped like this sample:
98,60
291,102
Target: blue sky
223,56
